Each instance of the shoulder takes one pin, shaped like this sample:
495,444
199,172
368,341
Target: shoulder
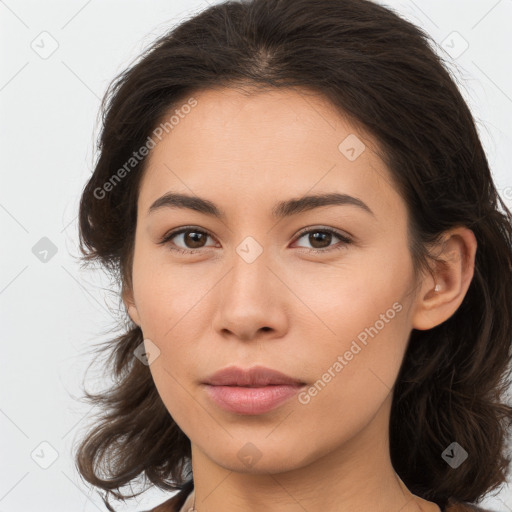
459,506
171,505
175,503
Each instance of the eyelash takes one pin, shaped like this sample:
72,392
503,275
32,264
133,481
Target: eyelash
344,239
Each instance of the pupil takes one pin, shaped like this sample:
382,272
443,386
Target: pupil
322,236
194,236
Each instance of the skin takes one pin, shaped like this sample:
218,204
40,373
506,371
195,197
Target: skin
290,309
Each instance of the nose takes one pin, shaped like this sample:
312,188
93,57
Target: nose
252,300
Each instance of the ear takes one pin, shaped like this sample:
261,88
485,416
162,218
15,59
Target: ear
129,303
443,291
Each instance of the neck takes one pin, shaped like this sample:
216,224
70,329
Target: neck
358,475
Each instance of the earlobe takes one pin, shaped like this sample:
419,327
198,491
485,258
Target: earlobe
134,315
443,292
131,307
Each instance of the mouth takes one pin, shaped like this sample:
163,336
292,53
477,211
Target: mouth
251,400
255,390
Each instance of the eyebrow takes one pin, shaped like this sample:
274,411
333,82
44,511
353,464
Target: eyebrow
281,209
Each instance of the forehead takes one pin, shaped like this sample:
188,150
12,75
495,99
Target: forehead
243,147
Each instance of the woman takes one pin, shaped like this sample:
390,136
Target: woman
316,265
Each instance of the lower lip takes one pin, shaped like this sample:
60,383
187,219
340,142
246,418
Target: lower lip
243,400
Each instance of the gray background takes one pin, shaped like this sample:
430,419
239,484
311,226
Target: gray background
57,59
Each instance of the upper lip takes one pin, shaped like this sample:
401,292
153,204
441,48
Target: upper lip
257,376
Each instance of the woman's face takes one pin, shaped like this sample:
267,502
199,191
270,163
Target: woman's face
259,291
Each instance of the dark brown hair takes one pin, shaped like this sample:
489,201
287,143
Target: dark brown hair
383,73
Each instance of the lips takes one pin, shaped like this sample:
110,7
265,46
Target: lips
257,390
257,376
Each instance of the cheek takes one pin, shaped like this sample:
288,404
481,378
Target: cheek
359,343
172,387
171,307
169,297
357,370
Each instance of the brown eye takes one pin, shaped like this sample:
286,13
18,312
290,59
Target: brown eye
188,240
321,239
194,239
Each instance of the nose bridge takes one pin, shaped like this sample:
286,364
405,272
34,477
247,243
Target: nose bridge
250,272
249,296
